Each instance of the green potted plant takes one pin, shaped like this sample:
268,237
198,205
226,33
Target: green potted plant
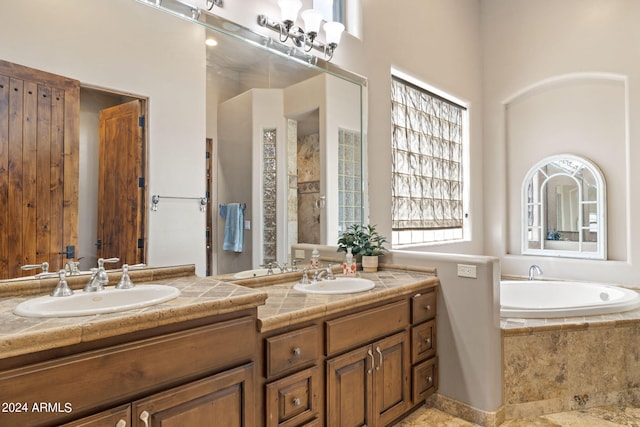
364,241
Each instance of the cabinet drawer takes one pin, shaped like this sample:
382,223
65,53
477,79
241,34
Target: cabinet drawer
425,379
423,307
349,331
294,400
423,341
292,350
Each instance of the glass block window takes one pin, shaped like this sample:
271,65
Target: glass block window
349,179
269,192
427,173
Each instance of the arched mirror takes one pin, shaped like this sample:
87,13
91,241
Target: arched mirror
564,209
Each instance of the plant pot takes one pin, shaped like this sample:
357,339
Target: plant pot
369,263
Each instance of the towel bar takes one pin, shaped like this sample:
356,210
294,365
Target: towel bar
155,199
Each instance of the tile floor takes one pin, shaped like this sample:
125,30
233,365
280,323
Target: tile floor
606,416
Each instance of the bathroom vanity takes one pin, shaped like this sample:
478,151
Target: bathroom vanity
250,353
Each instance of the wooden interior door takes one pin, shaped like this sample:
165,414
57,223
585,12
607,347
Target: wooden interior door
121,184
39,143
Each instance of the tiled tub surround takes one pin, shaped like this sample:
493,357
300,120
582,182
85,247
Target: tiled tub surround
556,365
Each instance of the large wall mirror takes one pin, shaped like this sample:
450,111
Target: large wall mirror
285,134
564,209
286,138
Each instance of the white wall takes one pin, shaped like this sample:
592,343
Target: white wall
129,47
583,54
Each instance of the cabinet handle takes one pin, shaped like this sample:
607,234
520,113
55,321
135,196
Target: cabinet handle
427,307
430,380
380,354
428,340
121,423
373,361
144,417
296,402
296,351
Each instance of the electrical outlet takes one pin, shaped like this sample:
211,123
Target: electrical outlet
466,270
300,253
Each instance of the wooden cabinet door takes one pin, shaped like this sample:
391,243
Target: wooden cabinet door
350,388
392,387
39,146
225,399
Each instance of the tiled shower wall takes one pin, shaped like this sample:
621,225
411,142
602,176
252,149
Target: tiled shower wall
309,188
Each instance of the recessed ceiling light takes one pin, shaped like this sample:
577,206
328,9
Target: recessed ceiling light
211,42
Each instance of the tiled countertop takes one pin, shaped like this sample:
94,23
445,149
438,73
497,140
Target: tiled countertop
278,306
286,306
200,297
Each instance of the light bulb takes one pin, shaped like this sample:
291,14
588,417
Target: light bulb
333,31
289,9
312,20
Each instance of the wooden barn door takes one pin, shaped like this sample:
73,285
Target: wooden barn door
121,184
39,142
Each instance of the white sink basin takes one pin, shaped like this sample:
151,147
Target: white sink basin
110,300
341,285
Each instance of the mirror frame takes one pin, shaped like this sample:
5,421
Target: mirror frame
539,203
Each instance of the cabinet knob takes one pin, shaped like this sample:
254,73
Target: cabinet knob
427,307
296,402
121,423
296,351
428,340
430,380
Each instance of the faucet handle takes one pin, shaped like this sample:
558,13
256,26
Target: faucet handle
304,280
44,266
108,260
125,281
62,289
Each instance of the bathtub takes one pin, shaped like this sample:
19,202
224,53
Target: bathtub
540,299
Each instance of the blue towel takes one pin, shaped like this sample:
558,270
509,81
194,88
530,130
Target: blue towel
233,227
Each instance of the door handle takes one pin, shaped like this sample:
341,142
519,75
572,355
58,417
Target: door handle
70,252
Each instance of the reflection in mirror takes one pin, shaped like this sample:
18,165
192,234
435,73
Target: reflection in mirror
76,162
287,144
563,209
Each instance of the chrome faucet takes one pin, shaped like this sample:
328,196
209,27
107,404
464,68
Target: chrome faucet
327,272
72,268
99,277
533,270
